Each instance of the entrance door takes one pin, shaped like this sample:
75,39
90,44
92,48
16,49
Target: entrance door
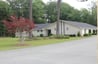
49,32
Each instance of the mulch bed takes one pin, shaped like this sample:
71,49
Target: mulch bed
22,44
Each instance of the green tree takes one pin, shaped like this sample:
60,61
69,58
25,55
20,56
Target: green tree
51,11
94,16
84,16
4,10
69,13
38,11
19,7
89,16
93,13
4,13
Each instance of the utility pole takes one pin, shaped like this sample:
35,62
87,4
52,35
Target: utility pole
58,18
97,30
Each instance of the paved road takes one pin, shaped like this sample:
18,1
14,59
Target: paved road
73,52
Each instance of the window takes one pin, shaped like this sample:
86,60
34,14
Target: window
37,30
41,30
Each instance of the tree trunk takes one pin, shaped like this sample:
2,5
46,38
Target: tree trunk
30,10
58,18
20,34
30,17
22,38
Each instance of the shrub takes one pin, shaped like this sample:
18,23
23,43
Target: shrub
53,36
50,34
73,35
41,35
86,34
78,34
90,34
94,33
67,37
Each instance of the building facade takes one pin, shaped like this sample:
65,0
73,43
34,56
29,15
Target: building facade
65,28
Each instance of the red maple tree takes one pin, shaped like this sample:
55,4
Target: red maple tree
14,24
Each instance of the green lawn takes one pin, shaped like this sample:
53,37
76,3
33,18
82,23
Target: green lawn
11,43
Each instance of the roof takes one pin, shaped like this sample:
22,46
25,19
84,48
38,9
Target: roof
73,23
81,24
40,26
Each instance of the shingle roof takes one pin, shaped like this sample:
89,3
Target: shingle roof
40,26
73,23
81,24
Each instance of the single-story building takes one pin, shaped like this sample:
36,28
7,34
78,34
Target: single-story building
65,28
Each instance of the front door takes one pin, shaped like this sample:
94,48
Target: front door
49,32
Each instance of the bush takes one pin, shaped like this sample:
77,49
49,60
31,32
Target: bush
73,35
90,34
86,34
78,34
53,36
50,34
94,33
41,35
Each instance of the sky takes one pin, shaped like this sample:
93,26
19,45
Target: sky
75,3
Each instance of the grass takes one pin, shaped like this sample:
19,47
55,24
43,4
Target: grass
10,43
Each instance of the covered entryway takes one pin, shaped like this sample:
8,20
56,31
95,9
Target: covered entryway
49,32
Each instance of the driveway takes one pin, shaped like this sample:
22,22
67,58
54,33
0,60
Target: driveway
74,52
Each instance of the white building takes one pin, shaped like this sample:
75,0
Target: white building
66,28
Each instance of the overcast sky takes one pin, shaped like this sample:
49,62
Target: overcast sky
74,3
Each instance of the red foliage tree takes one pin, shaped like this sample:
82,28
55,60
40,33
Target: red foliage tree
20,24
